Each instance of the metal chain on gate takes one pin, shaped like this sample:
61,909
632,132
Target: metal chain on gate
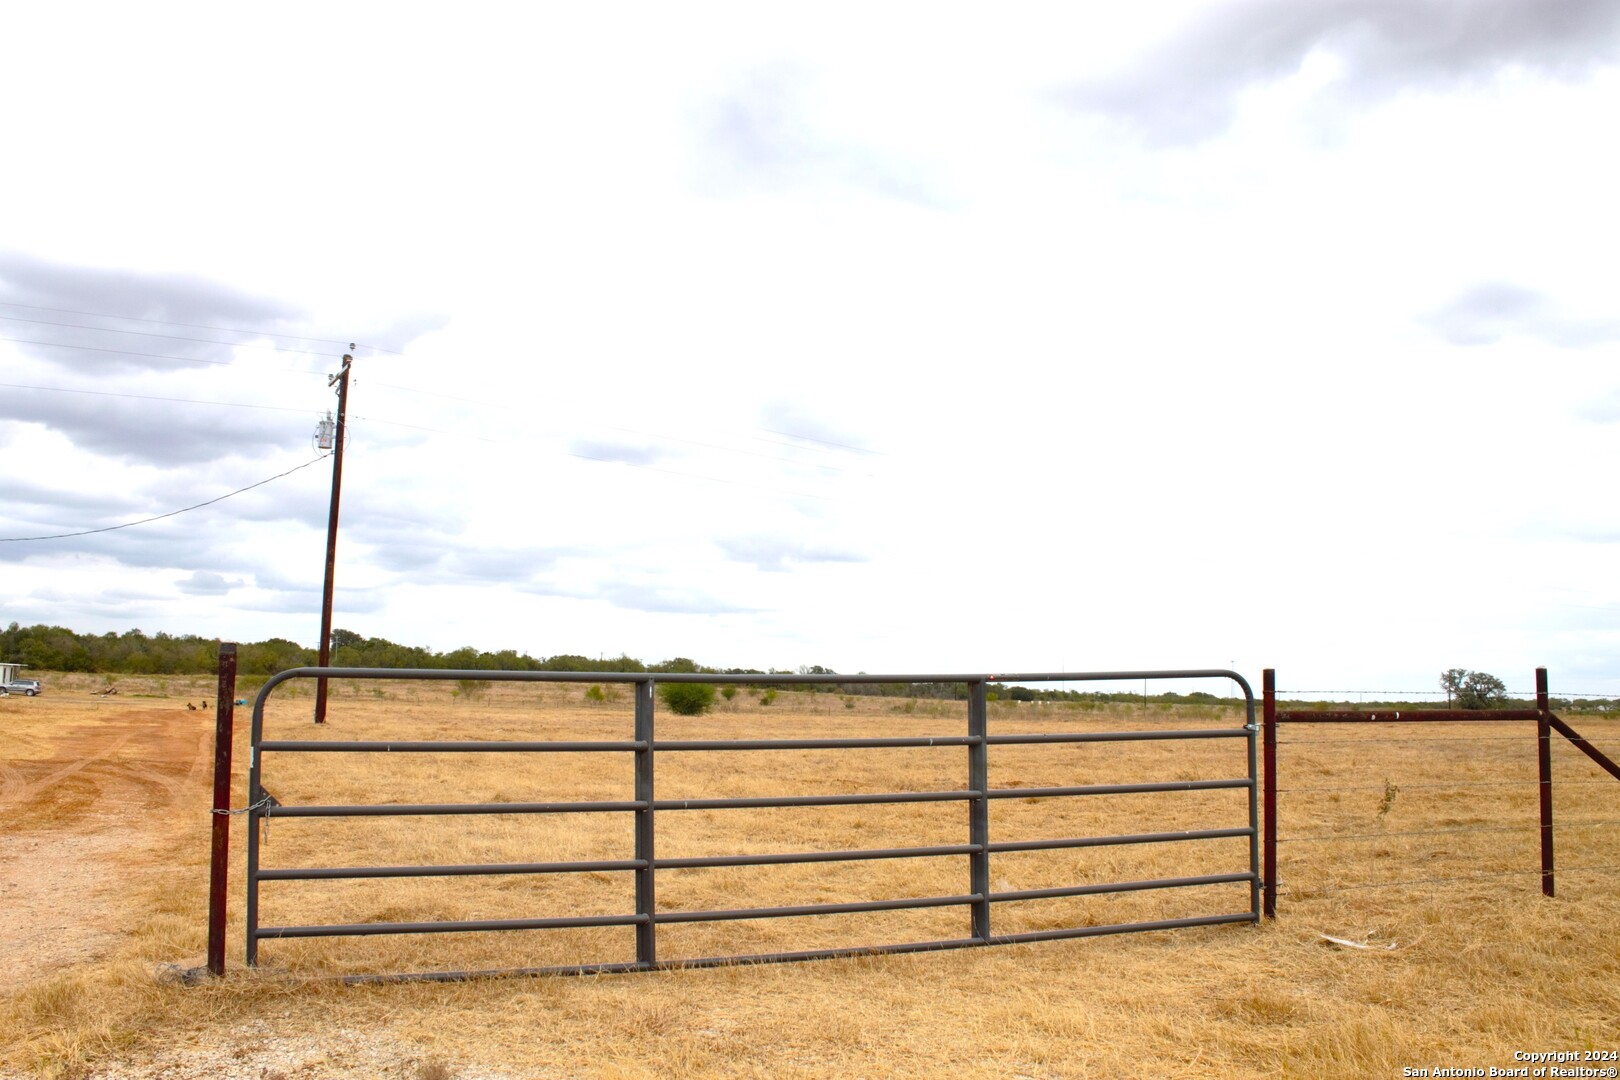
268,800
265,803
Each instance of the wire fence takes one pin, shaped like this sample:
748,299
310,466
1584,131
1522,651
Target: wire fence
1396,695
1529,781
1460,830
1373,737
1332,889
1457,802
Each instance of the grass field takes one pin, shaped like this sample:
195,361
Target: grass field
104,851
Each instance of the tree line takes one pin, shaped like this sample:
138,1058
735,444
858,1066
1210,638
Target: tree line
56,648
133,652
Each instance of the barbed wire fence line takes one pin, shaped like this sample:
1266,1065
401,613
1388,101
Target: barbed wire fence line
1468,807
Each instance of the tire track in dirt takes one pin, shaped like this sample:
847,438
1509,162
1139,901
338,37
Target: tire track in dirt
94,811
16,792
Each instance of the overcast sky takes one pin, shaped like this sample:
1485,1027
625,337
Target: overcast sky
884,337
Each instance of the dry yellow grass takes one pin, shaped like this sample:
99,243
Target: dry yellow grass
1480,968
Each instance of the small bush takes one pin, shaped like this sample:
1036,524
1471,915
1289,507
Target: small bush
729,692
768,696
1388,802
470,688
595,694
687,699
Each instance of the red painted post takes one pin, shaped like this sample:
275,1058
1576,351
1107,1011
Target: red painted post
1544,766
1268,729
219,865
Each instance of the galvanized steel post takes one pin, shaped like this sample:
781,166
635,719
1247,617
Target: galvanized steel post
1251,746
979,807
256,811
646,895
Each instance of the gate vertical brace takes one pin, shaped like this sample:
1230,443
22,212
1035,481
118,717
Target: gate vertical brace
219,861
1268,726
1544,767
979,806
646,893
255,814
1251,746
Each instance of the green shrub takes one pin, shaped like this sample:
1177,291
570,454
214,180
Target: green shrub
729,692
470,688
768,696
687,699
595,694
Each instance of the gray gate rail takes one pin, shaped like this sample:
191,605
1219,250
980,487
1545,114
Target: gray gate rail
645,864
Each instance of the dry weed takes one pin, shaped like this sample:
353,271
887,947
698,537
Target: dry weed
1481,968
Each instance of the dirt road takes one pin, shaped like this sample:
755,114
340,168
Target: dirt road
93,792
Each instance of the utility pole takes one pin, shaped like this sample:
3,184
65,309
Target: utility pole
342,381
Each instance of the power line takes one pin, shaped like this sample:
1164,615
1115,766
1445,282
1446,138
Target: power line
153,356
191,326
823,442
155,397
639,431
170,514
835,446
606,460
169,337
416,427
433,430
700,476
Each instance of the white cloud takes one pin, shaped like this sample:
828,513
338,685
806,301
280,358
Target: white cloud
849,340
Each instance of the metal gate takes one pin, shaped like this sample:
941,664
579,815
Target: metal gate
977,848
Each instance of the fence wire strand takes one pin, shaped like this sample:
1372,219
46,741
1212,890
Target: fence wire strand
1330,837
1396,695
1328,890
1526,782
1525,830
1371,738
1530,827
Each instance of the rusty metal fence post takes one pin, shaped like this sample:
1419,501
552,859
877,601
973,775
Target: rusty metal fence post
1544,768
1268,872
219,863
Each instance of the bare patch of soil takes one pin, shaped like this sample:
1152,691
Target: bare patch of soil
87,798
